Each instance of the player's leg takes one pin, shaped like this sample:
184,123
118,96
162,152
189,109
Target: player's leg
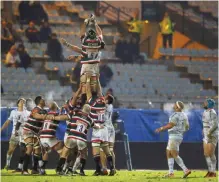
69,144
213,159
82,146
111,147
29,142
12,146
22,148
103,162
37,157
170,161
174,150
105,147
96,156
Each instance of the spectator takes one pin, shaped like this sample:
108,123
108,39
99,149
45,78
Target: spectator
25,12
6,38
32,33
135,27
12,59
24,57
38,13
13,32
54,48
119,48
166,26
45,32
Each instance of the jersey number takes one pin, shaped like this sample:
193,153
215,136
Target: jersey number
93,55
101,117
80,128
46,126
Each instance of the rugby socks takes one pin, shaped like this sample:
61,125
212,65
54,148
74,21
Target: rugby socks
40,161
114,159
83,163
65,166
26,162
44,164
36,159
110,162
180,162
76,164
8,160
209,163
20,164
170,165
60,164
214,162
97,162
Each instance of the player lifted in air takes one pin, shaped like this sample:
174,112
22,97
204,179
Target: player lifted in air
178,124
92,43
99,137
31,134
210,132
15,116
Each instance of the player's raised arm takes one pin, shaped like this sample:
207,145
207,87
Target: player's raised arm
5,125
73,101
61,117
73,47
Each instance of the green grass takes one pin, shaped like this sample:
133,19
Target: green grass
121,176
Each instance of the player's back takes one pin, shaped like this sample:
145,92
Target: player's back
180,121
78,126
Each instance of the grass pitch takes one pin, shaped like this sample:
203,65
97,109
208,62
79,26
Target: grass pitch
121,176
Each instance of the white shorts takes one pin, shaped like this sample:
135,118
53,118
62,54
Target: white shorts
91,68
100,135
213,140
49,142
111,135
14,139
173,144
71,143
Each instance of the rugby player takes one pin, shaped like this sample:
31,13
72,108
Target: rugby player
31,134
99,137
15,115
111,132
210,132
178,124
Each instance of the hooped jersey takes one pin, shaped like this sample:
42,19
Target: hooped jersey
32,124
91,56
50,126
98,108
78,126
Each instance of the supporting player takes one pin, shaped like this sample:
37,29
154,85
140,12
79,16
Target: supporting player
111,132
210,131
30,134
78,125
48,136
18,131
99,137
178,124
15,138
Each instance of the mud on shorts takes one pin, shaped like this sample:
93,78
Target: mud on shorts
90,68
49,142
173,144
71,143
14,139
34,139
212,140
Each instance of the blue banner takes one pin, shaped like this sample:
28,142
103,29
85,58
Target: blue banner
139,125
